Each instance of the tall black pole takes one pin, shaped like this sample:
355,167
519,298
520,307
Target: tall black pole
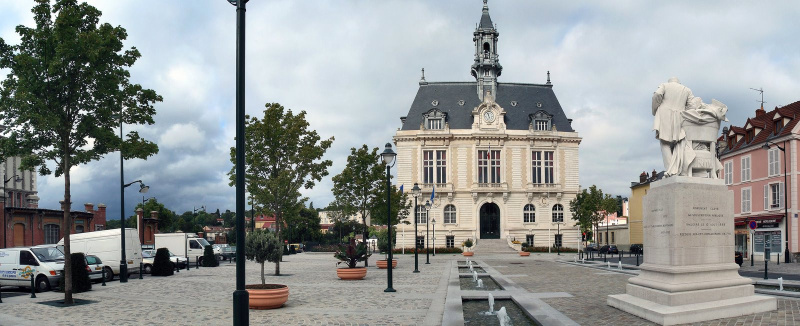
123,263
558,249
389,224
241,302
416,245
787,258
427,237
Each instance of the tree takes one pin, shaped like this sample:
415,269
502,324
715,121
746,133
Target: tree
228,218
591,206
166,217
302,225
263,246
401,207
282,155
67,80
356,187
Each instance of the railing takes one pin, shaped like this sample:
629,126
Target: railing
545,185
490,185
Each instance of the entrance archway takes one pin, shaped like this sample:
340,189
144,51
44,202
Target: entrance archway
19,235
490,221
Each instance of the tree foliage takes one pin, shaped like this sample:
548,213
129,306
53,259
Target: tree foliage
302,225
263,246
282,156
401,207
66,91
162,265
166,217
591,206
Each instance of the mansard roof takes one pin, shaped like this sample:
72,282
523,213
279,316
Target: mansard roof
768,132
518,100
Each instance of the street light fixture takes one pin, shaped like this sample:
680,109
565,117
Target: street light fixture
427,233
388,156
123,263
416,192
787,258
5,201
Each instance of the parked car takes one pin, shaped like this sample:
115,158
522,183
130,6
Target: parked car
95,268
147,261
228,252
44,263
298,247
609,249
177,260
738,258
591,247
637,249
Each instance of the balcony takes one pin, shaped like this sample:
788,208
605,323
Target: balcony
544,186
490,185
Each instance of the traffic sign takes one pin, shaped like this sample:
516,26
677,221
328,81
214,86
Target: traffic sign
753,225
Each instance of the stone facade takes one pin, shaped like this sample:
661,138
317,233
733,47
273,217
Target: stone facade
489,150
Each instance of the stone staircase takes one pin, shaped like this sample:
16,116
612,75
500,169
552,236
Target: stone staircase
493,246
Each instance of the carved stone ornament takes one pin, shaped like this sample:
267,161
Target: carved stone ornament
474,197
505,197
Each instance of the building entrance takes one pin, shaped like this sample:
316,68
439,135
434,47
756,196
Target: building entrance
490,221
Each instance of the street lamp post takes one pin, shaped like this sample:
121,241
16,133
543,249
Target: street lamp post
787,258
241,300
560,239
427,233
5,200
388,157
416,192
123,263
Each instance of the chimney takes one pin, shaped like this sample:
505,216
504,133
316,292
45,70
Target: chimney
654,174
760,111
100,215
643,177
88,207
154,214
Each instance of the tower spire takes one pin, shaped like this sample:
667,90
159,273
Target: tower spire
548,77
486,67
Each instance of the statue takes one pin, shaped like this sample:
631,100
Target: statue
687,129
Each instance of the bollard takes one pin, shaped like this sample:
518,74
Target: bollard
196,262
620,255
637,259
104,276
604,257
1,294
779,258
177,268
765,268
187,262
33,285
751,259
140,270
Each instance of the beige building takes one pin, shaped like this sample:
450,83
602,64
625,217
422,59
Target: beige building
502,157
635,215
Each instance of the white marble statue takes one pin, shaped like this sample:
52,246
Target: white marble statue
687,129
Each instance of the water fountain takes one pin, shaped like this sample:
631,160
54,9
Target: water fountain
503,317
583,261
491,304
480,283
470,268
475,276
620,265
780,283
609,264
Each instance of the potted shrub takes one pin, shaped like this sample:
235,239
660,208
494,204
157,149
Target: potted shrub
162,265
263,246
209,260
80,273
383,246
350,255
524,252
468,244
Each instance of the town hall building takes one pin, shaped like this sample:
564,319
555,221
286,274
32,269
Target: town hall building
502,157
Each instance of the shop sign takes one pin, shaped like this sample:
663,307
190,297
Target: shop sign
768,223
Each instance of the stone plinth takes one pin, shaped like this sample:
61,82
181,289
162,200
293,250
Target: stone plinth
689,274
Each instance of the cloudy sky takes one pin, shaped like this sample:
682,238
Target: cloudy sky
354,66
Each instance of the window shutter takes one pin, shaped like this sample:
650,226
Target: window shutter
766,198
780,197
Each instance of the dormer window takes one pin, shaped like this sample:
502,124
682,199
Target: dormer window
778,125
434,119
541,121
751,134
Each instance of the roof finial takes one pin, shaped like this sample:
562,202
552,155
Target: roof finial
548,77
422,81
485,4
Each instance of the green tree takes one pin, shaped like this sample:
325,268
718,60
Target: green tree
356,187
401,207
282,156
263,246
67,80
302,225
228,218
591,206
166,217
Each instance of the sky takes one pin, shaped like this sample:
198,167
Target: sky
354,66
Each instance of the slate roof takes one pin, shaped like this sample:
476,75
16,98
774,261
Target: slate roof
486,21
448,95
768,132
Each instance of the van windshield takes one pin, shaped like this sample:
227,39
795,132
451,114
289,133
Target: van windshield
203,242
48,254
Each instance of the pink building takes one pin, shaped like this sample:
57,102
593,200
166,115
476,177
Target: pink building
756,176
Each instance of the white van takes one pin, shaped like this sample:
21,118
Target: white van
107,245
44,263
187,244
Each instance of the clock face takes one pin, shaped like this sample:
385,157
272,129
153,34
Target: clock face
488,116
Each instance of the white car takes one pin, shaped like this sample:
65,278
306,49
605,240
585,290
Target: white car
95,268
177,260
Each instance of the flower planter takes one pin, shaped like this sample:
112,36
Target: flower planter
357,273
382,264
267,296
524,253
468,253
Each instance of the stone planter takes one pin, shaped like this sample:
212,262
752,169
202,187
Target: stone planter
382,264
524,253
357,273
267,296
468,253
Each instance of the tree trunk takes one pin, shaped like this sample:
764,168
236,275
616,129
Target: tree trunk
278,223
263,281
366,233
66,207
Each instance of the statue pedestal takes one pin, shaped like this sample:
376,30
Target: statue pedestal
689,274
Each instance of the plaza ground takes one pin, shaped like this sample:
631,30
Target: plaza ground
203,296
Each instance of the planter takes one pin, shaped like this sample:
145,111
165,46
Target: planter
267,296
468,253
524,253
357,273
382,264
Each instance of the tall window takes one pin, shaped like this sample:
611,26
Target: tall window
729,172
420,241
778,126
745,200
773,196
774,161
612,238
558,240
529,213
541,125
558,213
529,240
434,170
449,241
745,168
434,123
51,233
536,164
449,214
441,166
422,215
543,165
489,166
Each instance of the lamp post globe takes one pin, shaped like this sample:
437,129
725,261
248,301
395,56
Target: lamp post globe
416,192
427,232
388,157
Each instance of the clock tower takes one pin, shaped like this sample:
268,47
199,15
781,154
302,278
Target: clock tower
486,67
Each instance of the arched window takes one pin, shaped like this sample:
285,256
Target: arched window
422,215
52,233
558,213
450,214
529,213
79,229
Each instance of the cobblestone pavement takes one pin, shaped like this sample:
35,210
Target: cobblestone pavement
318,297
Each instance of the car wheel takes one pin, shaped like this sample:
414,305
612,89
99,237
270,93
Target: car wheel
42,284
109,274
148,269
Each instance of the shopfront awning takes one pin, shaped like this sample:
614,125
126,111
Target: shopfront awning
761,219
